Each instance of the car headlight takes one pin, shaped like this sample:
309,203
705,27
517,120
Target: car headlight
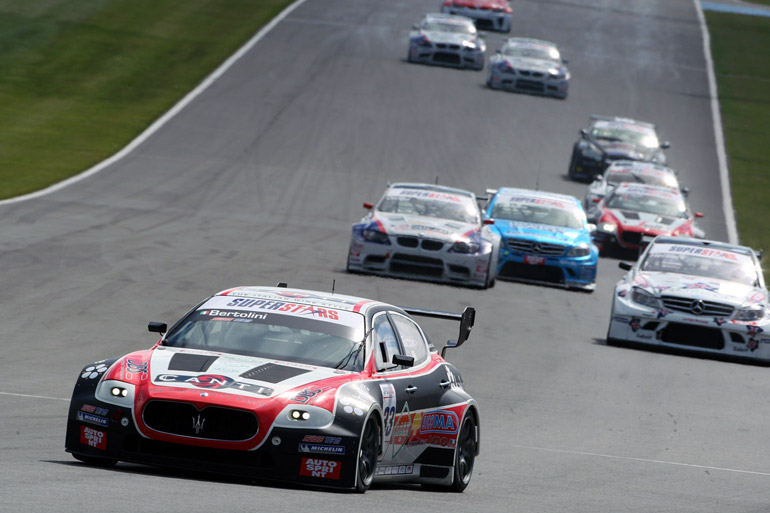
607,227
750,313
116,392
642,297
555,73
422,41
465,247
469,45
376,236
579,251
504,67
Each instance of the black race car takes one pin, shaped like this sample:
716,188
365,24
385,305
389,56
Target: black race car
613,138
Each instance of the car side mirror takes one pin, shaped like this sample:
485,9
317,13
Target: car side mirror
415,27
406,361
625,266
699,214
583,133
685,191
367,205
488,221
157,327
597,178
665,145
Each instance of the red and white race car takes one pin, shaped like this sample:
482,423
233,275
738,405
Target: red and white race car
285,384
488,14
635,212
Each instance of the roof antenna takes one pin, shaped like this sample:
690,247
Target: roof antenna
436,179
334,282
537,182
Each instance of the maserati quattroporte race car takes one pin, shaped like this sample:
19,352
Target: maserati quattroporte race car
487,14
529,66
544,238
285,384
429,232
446,40
614,138
634,213
631,171
695,295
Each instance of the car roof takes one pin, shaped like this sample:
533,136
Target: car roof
538,194
305,297
618,119
665,239
637,188
431,187
452,18
529,41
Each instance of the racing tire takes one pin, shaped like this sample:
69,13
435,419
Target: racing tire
572,165
465,457
368,451
96,461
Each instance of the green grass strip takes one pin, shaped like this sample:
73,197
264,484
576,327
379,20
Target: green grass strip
740,46
80,79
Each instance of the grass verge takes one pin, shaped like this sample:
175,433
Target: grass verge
739,46
82,79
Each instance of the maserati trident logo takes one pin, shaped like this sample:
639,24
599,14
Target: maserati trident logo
697,307
198,424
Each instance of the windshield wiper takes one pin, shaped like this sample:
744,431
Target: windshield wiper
352,354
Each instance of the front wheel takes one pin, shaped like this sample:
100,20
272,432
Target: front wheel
368,451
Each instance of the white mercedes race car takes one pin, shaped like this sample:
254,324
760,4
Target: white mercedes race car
488,14
446,40
529,66
621,171
694,295
428,232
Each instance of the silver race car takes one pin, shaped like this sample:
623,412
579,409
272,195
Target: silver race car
488,14
694,295
631,171
427,232
447,40
530,66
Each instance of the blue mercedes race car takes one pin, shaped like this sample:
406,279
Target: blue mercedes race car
545,238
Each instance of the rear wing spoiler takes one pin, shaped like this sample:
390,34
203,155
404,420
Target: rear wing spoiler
467,320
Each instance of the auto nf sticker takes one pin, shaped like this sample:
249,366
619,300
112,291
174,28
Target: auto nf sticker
316,467
93,438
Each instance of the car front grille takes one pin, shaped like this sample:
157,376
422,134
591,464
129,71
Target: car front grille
530,85
532,247
210,423
426,244
447,46
697,307
694,336
541,273
448,58
634,238
416,264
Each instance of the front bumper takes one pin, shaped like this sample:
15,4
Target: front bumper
525,81
630,322
485,19
577,272
445,54
402,262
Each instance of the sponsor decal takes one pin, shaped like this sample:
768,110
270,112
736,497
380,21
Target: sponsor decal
753,344
229,315
663,312
388,409
307,394
623,293
394,471
281,306
315,467
534,260
620,319
93,419
719,321
704,252
455,380
754,330
136,366
338,450
214,382
350,406
93,371
94,409
711,287
441,421
93,438
635,324
321,439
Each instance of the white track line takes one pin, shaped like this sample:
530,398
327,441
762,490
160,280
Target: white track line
724,174
645,460
34,396
160,122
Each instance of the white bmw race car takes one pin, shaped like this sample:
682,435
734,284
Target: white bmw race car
637,171
446,40
694,295
488,14
529,66
428,232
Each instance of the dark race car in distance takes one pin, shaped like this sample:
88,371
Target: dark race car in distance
613,138
289,385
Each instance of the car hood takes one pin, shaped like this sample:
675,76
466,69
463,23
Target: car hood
534,65
646,222
540,232
616,150
699,287
426,227
201,371
448,37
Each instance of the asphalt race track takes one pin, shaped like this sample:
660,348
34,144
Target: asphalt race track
258,181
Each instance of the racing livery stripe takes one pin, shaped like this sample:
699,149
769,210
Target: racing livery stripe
357,307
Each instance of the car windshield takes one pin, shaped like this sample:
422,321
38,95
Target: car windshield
452,207
456,28
664,179
636,135
698,261
301,334
539,214
531,52
662,205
